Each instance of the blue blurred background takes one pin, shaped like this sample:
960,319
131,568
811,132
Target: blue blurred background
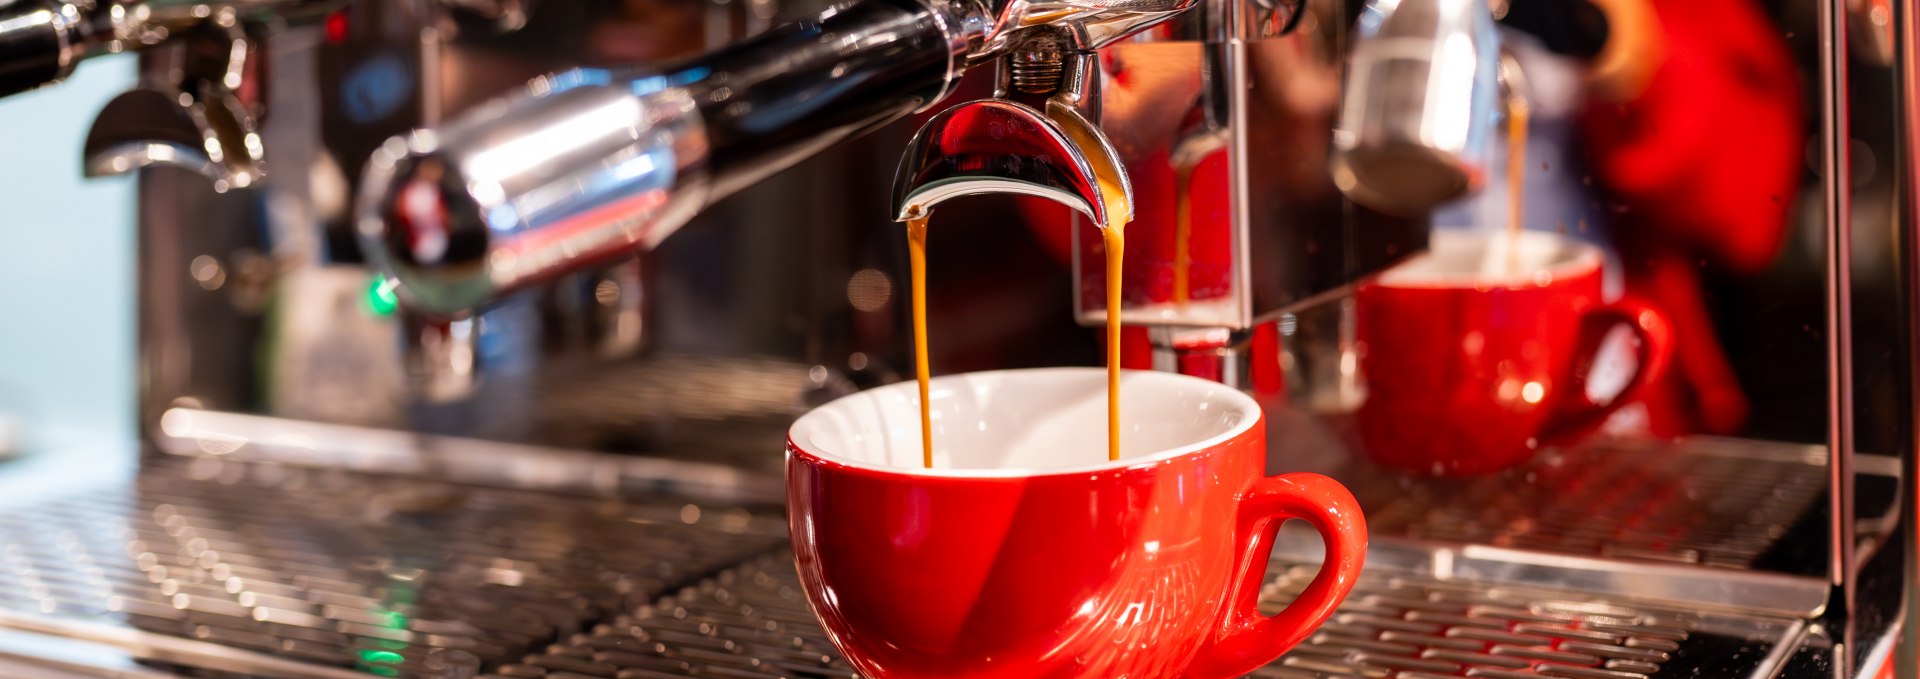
67,274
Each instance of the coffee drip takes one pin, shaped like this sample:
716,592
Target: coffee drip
1001,146
1113,234
1519,116
917,257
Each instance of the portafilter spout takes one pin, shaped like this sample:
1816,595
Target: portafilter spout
1035,142
998,146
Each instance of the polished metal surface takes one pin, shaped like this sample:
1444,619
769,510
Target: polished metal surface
37,44
1414,626
1221,118
579,171
741,114
994,146
588,166
1417,122
289,571
257,301
231,554
266,337
189,433
1712,502
41,41
753,621
210,134
401,577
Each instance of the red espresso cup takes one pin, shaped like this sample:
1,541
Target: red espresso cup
1469,371
1025,553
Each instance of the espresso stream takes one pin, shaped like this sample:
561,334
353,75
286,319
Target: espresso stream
1517,117
1113,236
917,258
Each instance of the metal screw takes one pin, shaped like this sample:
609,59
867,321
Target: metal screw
1037,71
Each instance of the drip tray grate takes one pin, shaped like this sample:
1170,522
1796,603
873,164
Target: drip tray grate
753,622
263,570
384,575
1715,502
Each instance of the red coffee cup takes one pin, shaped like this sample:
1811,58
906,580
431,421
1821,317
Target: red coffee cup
1025,553
1469,371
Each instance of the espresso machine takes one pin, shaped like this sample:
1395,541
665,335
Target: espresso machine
469,329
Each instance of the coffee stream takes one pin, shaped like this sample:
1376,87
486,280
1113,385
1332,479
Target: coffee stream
917,256
1114,235
1114,238
1517,118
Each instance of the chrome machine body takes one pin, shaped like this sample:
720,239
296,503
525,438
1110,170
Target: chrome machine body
469,328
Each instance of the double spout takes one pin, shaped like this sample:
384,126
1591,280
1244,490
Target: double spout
1034,138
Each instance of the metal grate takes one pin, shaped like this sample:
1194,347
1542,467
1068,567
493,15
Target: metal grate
1413,627
1713,502
400,577
389,576
752,623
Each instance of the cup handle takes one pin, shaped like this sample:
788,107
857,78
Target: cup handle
1578,413
1248,640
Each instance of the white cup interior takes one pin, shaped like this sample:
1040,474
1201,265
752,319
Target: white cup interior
1025,422
1461,257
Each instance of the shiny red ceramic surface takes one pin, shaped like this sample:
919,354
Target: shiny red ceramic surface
1146,567
1470,373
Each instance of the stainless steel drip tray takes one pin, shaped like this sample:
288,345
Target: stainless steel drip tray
284,571
243,569
1688,587
752,621
1720,503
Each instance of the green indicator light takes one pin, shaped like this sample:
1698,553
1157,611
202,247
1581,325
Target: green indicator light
374,657
381,298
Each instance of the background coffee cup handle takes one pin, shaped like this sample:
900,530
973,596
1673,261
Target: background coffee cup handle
1578,413
1248,640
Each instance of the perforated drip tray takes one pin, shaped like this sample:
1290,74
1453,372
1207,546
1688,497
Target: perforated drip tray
1414,627
1708,501
226,569
383,575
